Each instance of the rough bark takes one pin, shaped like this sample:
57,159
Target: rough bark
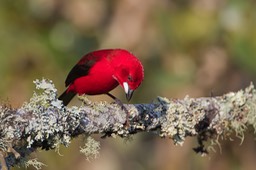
45,123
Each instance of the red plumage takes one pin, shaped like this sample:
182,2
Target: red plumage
99,72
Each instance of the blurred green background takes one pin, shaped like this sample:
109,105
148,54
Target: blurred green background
194,48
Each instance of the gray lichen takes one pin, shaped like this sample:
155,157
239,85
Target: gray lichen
90,149
45,123
35,163
181,119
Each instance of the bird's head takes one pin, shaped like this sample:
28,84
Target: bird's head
129,74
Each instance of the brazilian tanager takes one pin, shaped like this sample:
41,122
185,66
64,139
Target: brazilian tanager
99,72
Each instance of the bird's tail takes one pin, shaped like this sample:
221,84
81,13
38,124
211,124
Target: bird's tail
66,97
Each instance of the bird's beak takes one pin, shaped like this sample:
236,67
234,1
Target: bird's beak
128,91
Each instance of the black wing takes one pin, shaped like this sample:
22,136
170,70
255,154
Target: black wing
80,70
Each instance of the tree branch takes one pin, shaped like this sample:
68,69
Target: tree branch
45,123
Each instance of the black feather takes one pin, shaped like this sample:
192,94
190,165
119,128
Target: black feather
66,97
79,70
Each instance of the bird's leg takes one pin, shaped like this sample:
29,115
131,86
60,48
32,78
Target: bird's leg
119,102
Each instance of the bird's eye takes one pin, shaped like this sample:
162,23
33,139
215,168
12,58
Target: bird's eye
130,78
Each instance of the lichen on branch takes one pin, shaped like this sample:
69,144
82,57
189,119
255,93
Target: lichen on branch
43,122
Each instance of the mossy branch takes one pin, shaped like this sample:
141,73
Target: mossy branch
45,123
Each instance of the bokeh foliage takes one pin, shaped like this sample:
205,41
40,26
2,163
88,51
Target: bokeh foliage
196,48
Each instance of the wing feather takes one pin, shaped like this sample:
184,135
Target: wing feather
80,69
83,67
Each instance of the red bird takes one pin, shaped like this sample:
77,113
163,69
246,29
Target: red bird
99,72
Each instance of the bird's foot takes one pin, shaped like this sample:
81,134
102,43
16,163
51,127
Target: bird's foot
120,103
